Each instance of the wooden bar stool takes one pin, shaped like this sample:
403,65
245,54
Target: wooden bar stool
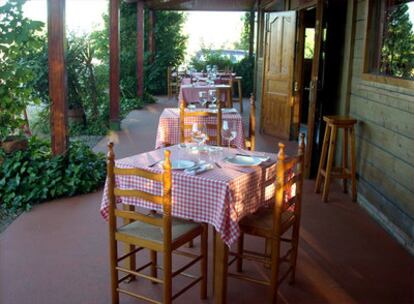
333,123
238,80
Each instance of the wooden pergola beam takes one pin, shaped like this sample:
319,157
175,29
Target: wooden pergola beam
251,32
57,76
114,65
151,38
140,48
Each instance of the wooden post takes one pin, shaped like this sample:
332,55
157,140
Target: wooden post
114,69
57,76
140,48
251,32
151,38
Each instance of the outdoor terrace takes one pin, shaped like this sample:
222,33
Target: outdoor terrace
58,252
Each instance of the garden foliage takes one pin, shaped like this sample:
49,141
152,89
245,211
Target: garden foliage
32,176
244,67
18,40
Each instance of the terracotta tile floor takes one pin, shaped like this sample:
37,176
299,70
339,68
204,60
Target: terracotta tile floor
58,253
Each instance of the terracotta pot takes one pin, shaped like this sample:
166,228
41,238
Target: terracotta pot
14,143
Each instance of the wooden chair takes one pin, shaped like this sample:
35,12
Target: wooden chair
250,142
227,92
237,80
173,82
185,116
155,232
275,223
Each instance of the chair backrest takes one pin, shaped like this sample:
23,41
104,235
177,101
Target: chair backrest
251,140
114,192
289,183
213,121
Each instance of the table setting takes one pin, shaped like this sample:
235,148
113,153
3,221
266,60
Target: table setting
217,185
169,125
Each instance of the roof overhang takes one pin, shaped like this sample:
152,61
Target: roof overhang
204,5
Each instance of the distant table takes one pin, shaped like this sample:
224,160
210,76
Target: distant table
169,127
189,93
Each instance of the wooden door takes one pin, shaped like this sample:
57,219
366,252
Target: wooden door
314,84
278,74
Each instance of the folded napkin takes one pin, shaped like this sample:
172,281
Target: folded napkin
199,169
229,110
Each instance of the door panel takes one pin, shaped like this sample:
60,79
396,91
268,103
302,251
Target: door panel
278,73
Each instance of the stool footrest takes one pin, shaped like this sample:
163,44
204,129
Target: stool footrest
342,173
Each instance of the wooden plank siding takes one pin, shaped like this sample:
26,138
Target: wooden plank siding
385,143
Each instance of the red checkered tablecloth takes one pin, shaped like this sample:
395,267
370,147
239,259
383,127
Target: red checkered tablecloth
189,93
169,127
220,197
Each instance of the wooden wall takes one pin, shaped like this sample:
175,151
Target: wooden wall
385,137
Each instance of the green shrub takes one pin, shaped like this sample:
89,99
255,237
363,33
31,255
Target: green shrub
32,176
210,57
18,39
245,68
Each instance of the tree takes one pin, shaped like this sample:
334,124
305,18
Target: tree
243,44
397,56
18,38
170,49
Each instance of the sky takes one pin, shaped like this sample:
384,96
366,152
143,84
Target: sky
210,29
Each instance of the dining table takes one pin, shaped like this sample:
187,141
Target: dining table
168,131
190,93
220,196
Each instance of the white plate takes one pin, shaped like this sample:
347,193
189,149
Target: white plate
182,164
245,161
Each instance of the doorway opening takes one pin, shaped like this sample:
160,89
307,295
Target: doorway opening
319,50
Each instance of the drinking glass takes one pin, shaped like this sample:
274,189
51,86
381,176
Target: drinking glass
199,133
203,97
228,131
213,98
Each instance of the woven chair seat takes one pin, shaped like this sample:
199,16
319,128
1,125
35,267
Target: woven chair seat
153,233
262,220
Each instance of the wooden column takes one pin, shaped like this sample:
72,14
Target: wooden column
251,33
259,35
140,48
57,76
114,69
151,38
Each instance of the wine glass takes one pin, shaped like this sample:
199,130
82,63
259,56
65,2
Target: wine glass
213,98
203,97
199,133
228,131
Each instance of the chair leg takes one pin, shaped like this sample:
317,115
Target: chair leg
295,248
345,158
240,95
274,280
113,253
353,165
322,160
167,292
268,251
204,262
214,254
331,155
240,246
153,256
